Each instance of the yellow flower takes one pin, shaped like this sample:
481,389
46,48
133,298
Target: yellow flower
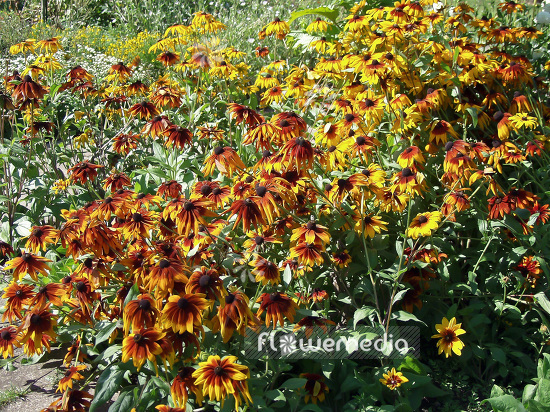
393,379
448,334
424,224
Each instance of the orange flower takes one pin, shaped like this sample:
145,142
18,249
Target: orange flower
27,264
67,381
182,313
140,312
184,382
277,306
17,296
83,171
225,160
220,377
141,346
8,339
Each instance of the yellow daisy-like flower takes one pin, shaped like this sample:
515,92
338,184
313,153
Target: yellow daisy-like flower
424,224
393,379
448,337
520,120
218,378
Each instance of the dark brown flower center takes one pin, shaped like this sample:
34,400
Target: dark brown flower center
407,172
206,190
137,217
183,303
422,220
144,304
35,319
218,150
5,335
259,240
188,206
229,299
360,140
138,338
218,371
274,297
27,257
204,281
164,263
80,286
261,190
216,191
349,117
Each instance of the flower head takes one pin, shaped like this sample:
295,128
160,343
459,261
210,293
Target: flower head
448,332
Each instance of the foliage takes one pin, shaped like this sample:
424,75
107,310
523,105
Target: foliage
167,192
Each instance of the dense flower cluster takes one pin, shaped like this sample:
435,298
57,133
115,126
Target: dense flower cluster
285,199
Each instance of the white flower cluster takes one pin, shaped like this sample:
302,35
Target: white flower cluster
92,60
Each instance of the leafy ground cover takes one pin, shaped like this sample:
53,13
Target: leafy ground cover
176,186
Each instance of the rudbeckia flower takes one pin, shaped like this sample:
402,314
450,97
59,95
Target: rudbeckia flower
370,226
308,253
71,374
83,171
183,384
17,295
448,332
224,159
220,377
144,110
37,323
28,89
40,237
278,28
520,120
27,264
164,274
393,379
140,312
277,306
182,312
9,338
247,211
141,346
424,224
315,387
265,271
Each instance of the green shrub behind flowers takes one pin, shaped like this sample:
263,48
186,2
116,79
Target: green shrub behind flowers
390,169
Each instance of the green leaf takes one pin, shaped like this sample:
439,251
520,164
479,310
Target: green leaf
505,403
543,301
105,332
361,314
543,392
329,13
406,317
275,395
132,294
124,402
107,385
293,383
473,114
498,355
